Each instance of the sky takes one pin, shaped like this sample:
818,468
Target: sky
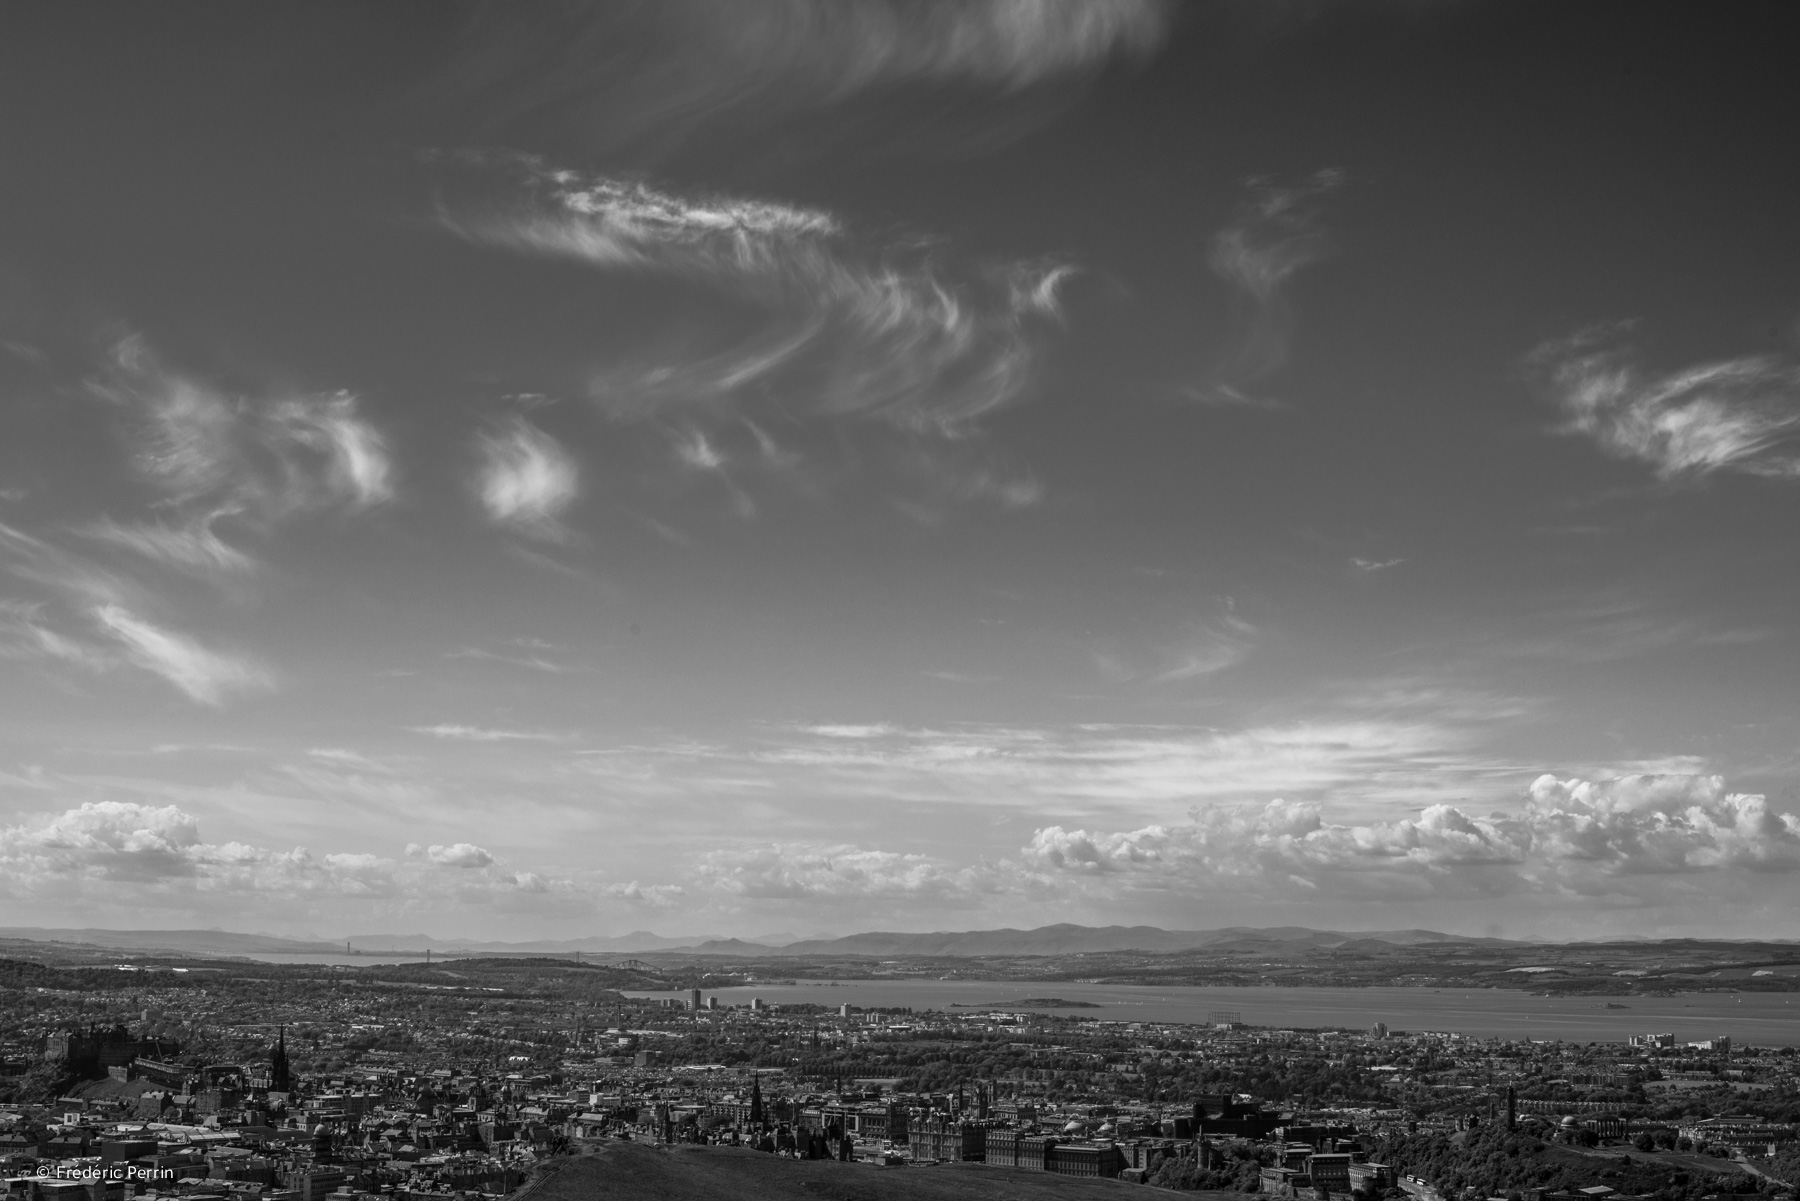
806,466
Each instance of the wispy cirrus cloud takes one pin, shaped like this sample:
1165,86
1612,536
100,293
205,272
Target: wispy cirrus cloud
1278,234
1735,415
1405,754
1195,648
1208,647
206,675
527,657
260,456
210,458
461,733
527,479
24,634
194,545
896,334
95,620
690,64
1010,43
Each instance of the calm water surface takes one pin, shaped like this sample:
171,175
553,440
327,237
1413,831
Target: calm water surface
1759,1018
368,959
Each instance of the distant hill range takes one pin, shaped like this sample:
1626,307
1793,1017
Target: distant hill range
1063,939
174,942
637,940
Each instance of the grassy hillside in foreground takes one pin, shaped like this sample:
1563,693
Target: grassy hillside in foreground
681,1173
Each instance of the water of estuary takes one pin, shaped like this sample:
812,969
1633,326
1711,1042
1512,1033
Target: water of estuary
1763,1019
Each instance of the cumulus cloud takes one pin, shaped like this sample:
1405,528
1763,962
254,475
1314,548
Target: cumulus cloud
658,895
899,336
1571,834
155,855
1655,824
1740,415
461,854
123,844
205,675
1276,236
527,478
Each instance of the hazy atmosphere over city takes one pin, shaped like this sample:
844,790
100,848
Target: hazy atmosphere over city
808,466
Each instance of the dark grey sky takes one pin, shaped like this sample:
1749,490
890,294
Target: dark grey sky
788,464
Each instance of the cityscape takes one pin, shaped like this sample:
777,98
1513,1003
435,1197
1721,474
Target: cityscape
134,1073
899,600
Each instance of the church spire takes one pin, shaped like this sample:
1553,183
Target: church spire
281,1077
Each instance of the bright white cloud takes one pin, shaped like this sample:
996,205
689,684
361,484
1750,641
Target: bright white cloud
1654,824
527,478
128,853
461,854
1740,415
205,675
1573,835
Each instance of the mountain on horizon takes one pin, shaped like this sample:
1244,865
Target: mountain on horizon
1060,939
185,942
637,940
1068,939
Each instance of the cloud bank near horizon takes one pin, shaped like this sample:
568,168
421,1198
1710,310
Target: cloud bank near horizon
1617,843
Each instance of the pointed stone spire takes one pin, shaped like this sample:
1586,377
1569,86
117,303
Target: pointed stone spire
281,1077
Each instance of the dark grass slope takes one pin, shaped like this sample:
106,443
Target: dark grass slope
647,1173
